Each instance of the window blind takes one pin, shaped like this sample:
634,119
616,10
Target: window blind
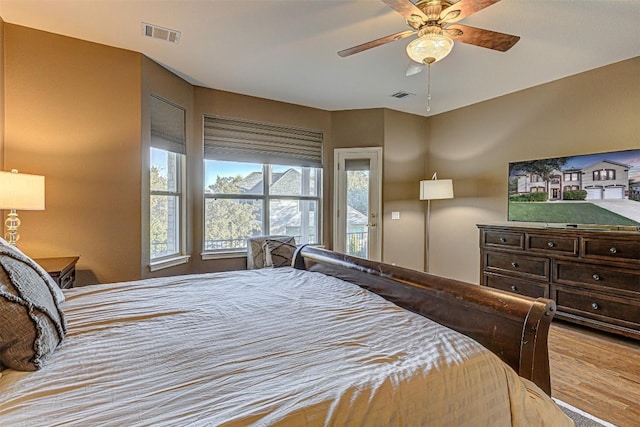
245,141
167,126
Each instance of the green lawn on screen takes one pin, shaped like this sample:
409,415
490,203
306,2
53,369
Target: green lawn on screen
570,213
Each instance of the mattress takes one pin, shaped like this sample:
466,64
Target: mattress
269,347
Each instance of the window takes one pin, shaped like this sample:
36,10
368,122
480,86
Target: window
604,175
260,179
571,176
165,203
166,185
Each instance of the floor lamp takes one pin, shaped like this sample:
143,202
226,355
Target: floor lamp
433,189
19,191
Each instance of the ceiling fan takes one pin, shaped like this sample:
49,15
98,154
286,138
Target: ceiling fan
435,23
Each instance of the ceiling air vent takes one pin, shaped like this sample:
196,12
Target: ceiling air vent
161,33
402,94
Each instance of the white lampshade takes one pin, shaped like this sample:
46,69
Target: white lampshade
21,191
429,48
434,189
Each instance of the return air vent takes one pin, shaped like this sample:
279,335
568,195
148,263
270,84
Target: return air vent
161,33
402,94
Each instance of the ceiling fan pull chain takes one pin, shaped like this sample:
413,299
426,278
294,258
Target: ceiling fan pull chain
428,86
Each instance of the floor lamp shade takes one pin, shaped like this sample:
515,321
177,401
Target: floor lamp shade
435,189
19,191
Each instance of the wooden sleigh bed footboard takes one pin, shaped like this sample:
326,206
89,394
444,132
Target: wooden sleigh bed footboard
513,327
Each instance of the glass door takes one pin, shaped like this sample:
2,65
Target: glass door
357,229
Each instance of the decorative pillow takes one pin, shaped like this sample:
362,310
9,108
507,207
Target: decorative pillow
32,325
52,284
279,252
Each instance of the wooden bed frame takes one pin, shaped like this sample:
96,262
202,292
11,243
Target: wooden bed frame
511,326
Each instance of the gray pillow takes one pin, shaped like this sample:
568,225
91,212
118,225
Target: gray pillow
279,253
32,325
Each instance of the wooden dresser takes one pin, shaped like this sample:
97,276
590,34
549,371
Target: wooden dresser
592,275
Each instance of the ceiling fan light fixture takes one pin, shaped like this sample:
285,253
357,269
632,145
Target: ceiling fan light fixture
429,48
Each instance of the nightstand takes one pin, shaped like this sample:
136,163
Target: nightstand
62,270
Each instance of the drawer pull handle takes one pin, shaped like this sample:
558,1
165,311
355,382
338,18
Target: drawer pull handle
613,250
514,288
514,264
503,240
595,305
550,244
596,277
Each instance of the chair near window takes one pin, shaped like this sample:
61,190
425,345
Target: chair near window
270,251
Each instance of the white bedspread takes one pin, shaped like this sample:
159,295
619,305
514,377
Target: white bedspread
263,347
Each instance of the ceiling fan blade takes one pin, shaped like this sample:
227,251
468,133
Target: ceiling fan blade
376,43
414,16
483,38
414,68
464,8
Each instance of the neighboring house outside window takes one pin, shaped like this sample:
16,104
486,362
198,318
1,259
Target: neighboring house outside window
259,179
167,243
239,204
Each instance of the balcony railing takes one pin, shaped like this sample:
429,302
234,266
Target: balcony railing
357,244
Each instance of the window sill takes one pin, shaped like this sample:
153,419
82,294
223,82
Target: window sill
221,255
171,262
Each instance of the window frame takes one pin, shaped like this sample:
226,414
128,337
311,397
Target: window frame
604,175
180,256
168,134
265,198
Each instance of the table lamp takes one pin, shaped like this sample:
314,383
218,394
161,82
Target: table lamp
19,191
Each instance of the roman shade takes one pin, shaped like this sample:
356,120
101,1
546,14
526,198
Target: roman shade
246,141
167,126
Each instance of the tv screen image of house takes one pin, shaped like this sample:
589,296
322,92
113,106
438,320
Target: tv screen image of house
593,189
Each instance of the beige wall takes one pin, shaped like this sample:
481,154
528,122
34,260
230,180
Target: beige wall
402,137
72,114
215,102
77,113
2,24
405,148
159,81
591,112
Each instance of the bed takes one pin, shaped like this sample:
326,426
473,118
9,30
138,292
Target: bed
335,340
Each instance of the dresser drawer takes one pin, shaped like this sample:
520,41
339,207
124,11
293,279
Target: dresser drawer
518,286
610,249
580,274
516,264
502,239
593,305
567,246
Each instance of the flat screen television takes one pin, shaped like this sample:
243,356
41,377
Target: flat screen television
599,190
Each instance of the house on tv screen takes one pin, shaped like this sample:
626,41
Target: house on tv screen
604,179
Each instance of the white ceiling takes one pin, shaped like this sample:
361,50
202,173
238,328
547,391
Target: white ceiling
286,49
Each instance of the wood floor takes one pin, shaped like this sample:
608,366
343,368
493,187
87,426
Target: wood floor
596,372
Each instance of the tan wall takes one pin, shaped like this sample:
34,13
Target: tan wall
405,146
72,114
591,112
402,137
161,82
75,112
2,25
215,102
